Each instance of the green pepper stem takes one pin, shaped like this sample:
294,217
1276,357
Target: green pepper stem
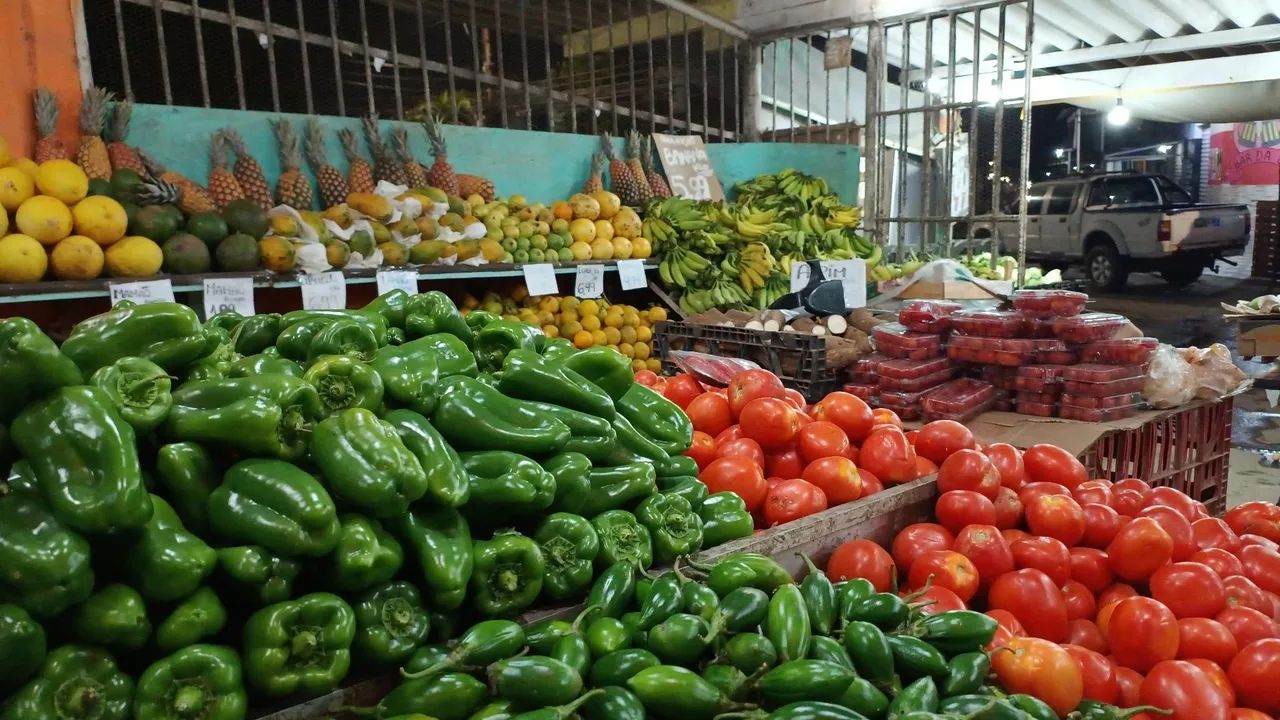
303,644
188,701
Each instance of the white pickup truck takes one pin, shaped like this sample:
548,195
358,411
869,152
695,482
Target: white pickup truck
1118,223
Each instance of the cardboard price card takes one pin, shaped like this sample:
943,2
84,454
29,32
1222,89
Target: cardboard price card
688,167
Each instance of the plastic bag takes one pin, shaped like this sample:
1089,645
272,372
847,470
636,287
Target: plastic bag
711,369
1178,376
1216,375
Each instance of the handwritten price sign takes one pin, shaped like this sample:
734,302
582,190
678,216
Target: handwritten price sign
688,167
142,291
851,273
323,291
589,281
228,295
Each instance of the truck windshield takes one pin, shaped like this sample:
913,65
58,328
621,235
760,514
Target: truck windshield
1128,191
1173,195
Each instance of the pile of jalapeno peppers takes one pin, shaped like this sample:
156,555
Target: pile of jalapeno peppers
202,516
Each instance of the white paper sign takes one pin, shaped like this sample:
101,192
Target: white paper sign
853,275
323,291
800,273
228,295
631,273
589,281
540,279
406,280
142,291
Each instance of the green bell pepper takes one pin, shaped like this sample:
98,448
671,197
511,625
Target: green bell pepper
557,349
294,341
690,488
198,681
396,336
365,464
227,321
508,574
301,645
477,319
676,529
374,321
76,682
622,539
22,647
474,416
85,459
263,577
257,333
266,415
366,555
617,488
199,616
115,615
206,368
44,564
453,357
448,483
499,338
590,435
661,420
409,374
604,367
167,334
569,547
264,363
676,466
30,365
166,562
440,541
345,382
634,446
507,483
392,306
572,473
529,376
724,517
390,623
433,312
188,475
276,505
343,337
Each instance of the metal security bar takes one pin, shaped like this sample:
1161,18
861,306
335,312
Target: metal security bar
581,66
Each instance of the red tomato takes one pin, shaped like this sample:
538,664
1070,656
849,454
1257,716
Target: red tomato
1050,463
647,378
888,455
837,476
1079,601
1139,549
937,599
885,416
958,508
1255,674
1248,625
1222,562
850,413
1255,518
1008,509
1040,669
1178,527
862,559
1127,501
1089,568
870,483
769,421
1133,484
749,385
784,463
790,499
709,413
1034,599
1207,639
820,439
743,448
1175,499
1034,490
1262,566
738,475
1013,535
1086,634
1142,633
1098,673
1008,461
1218,676
1104,618
1101,524
968,470
729,434
1114,593
1214,533
924,467
1189,590
794,397
1186,690
1055,516
1238,713
1129,681
682,389
1008,622
939,439
1251,539
917,539
1243,592
1093,491
1046,554
703,449
987,550
947,568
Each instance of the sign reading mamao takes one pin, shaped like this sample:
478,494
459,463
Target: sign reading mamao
1245,153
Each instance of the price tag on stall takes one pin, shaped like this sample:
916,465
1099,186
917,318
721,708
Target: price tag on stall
540,279
800,274
142,291
853,275
589,281
688,167
406,280
631,274
228,295
323,291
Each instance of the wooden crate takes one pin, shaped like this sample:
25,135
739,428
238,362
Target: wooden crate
1266,241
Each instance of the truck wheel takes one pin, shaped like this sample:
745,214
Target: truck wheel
1182,274
1105,268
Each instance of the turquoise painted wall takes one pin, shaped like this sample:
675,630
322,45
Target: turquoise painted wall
542,166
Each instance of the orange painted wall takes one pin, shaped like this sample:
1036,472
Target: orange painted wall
37,47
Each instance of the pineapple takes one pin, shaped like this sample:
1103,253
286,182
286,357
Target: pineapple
92,155
293,188
359,173
441,174
656,182
596,180
634,142
253,182
624,183
384,167
333,187
154,191
223,185
192,197
413,170
122,155
469,185
50,146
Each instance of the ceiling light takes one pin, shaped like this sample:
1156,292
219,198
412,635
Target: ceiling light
1058,152
1119,114
1163,149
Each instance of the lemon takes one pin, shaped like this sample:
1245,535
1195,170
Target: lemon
76,258
134,256
604,230
580,250
62,179
15,187
5,155
4,222
622,248
640,248
22,259
26,165
601,249
44,218
100,219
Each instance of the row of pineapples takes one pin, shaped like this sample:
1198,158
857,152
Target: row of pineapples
635,180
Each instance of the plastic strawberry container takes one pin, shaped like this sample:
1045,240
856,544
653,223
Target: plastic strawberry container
1034,327
911,369
864,391
1052,373
1047,398
1039,409
1058,357
1011,352
1037,385
1095,373
988,323
904,398
959,397
1126,351
1049,303
1000,376
1074,412
930,316
865,370
908,412
1088,327
1103,389
960,417
919,384
897,335
924,353
1103,403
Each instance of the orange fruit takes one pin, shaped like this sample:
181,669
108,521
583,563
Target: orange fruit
582,339
562,210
